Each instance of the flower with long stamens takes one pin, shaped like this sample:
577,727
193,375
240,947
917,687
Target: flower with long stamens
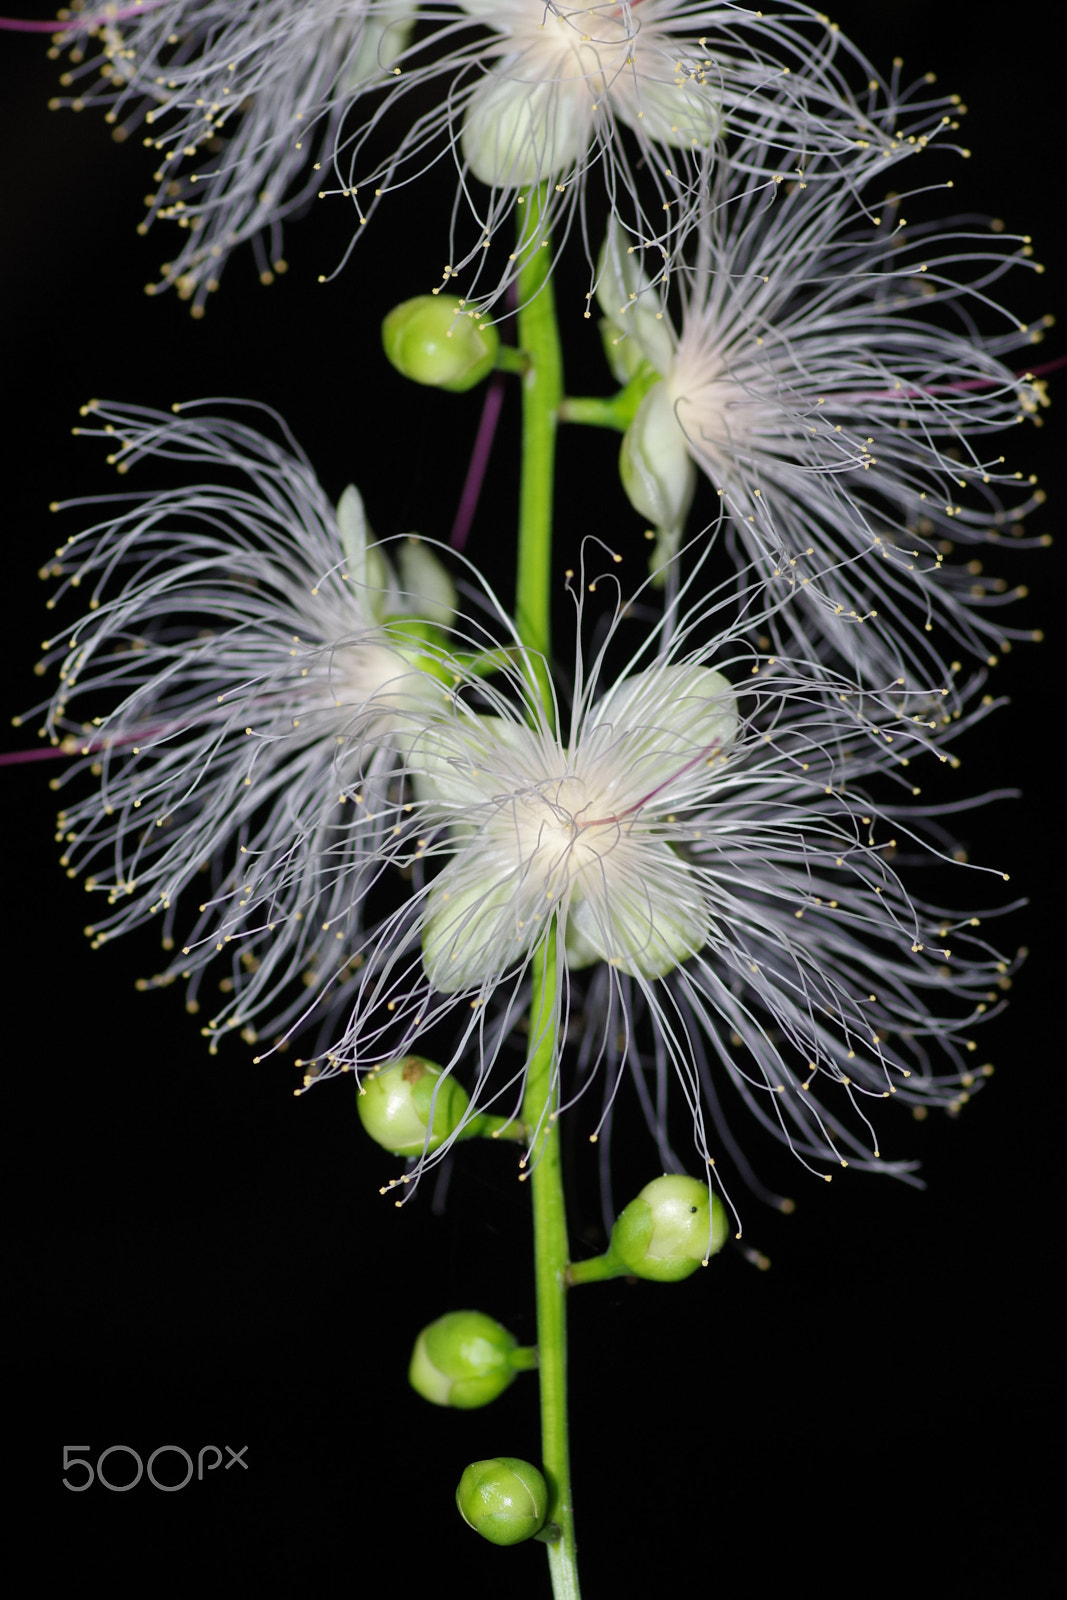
841,379
582,831
244,105
235,99
703,836
639,100
243,686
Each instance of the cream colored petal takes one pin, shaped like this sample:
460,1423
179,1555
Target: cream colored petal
384,38
661,728
517,132
580,951
500,13
367,567
461,764
638,910
666,106
480,919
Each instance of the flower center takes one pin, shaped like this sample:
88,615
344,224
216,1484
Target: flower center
585,42
374,688
562,829
717,414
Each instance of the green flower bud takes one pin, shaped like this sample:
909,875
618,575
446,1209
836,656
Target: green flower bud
669,1230
432,340
464,1359
505,1500
396,1104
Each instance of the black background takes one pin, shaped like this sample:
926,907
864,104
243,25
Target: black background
202,1259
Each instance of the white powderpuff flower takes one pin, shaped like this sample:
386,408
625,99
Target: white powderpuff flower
703,834
235,99
583,832
642,98
840,377
242,688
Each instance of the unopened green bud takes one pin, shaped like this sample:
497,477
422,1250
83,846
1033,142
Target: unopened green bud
505,1500
669,1230
465,1359
432,340
396,1105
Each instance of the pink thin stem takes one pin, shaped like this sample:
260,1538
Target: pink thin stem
963,387
483,446
14,758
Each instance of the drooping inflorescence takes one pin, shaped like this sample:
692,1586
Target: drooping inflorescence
640,807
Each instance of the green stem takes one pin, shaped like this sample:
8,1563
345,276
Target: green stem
523,1358
551,1253
491,1127
508,359
596,1270
617,411
542,391
594,412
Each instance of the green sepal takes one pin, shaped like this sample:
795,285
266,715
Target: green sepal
483,663
407,634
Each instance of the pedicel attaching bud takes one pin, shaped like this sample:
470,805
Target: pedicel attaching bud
505,1500
466,1359
432,340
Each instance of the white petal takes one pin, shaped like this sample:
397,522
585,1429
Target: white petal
580,951
657,473
518,132
674,111
479,920
462,764
493,11
385,36
661,728
637,912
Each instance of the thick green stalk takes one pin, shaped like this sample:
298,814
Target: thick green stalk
542,390
551,1255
